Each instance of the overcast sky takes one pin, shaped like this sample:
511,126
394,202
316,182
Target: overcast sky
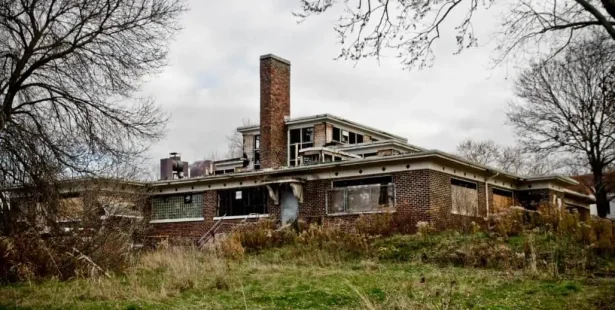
211,85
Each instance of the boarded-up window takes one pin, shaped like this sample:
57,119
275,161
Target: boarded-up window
502,200
464,196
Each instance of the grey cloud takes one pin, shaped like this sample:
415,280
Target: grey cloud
212,82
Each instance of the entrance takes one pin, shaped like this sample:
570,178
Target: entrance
290,205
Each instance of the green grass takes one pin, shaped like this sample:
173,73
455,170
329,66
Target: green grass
295,278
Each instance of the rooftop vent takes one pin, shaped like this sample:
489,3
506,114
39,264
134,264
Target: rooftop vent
173,167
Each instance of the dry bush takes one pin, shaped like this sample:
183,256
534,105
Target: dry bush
263,234
333,238
231,247
89,235
509,223
379,224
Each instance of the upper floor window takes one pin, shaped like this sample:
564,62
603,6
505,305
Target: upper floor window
347,137
257,152
299,139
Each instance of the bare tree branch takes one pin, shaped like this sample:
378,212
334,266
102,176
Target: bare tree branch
370,28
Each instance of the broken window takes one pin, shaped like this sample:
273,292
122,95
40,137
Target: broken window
366,155
295,136
300,138
359,138
257,152
345,135
176,207
337,134
352,138
464,196
361,195
242,201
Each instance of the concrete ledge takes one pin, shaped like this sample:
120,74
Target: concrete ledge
191,219
278,58
240,217
359,213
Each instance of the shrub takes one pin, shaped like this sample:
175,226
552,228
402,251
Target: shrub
333,238
231,247
379,224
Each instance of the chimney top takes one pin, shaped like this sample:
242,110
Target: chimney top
278,58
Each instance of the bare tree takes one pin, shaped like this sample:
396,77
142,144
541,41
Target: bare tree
235,142
567,106
485,152
70,69
367,28
513,159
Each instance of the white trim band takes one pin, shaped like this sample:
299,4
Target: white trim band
236,217
189,219
359,213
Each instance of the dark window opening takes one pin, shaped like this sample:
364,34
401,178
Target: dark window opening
188,199
359,138
365,181
219,172
462,183
328,158
366,155
501,192
257,159
352,138
307,134
245,201
229,171
295,136
337,134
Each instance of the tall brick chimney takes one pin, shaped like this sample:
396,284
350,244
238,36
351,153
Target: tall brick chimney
275,106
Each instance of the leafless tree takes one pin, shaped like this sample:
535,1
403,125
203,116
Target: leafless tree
513,159
70,71
367,28
484,152
235,142
568,107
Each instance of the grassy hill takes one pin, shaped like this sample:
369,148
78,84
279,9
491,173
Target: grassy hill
318,271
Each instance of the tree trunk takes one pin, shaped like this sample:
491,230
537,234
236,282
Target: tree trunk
602,200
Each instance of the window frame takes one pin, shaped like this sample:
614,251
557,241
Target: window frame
193,205
390,192
464,183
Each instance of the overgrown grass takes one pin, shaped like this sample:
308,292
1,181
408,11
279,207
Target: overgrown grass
301,276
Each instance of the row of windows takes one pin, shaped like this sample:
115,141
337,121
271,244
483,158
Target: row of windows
346,196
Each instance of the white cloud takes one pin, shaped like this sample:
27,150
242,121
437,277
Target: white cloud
212,83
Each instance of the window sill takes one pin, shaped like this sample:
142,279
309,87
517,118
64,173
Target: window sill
360,213
192,219
236,217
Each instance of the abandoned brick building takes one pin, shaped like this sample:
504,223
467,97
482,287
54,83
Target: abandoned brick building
328,168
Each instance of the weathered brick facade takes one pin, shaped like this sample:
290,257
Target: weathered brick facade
275,106
416,193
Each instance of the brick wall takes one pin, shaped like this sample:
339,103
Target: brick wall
320,134
416,193
275,105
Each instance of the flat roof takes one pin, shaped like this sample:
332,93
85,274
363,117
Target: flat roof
331,118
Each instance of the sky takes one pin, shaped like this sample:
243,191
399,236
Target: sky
211,84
